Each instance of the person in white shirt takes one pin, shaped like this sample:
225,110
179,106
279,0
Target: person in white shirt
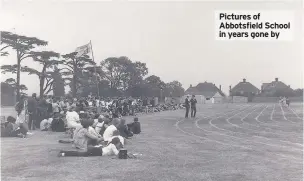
97,103
111,149
117,135
110,130
55,106
72,118
82,138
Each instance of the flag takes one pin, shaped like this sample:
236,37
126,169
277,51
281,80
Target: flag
83,50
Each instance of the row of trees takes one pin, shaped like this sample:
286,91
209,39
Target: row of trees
114,76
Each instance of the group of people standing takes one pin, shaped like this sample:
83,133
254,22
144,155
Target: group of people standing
190,103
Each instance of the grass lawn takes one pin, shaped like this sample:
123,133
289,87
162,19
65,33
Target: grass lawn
224,142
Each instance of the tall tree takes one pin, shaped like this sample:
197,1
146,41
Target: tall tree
156,86
174,89
74,68
48,60
13,84
58,85
22,45
121,72
115,70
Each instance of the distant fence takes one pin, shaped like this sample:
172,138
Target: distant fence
174,100
276,99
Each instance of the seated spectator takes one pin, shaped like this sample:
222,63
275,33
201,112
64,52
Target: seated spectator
57,124
123,129
11,129
109,132
135,126
72,118
82,138
116,134
102,125
45,124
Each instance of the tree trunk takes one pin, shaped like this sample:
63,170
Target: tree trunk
41,86
18,76
74,85
42,79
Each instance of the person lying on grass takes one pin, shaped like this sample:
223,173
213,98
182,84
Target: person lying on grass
82,142
11,129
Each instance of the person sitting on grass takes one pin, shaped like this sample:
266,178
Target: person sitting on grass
72,118
45,124
110,128
102,125
57,124
82,140
135,126
11,129
123,129
116,134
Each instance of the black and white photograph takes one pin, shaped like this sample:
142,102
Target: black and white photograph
151,90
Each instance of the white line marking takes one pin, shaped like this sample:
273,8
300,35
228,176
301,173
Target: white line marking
271,116
235,125
246,140
261,113
295,113
283,113
207,139
274,145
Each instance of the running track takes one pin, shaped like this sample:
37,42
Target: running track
224,142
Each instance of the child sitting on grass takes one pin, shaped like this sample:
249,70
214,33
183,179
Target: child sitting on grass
81,141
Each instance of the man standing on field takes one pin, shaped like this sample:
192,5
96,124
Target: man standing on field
187,105
193,106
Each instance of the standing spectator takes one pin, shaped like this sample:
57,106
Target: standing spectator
193,106
187,105
32,110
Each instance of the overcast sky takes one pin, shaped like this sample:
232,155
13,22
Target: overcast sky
175,39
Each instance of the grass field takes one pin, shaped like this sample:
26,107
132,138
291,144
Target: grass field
225,142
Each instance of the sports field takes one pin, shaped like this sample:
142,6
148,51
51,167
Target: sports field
227,142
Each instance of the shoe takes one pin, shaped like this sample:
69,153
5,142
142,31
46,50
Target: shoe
60,154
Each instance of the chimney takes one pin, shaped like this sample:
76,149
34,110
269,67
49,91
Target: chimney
220,87
276,79
244,80
230,87
190,85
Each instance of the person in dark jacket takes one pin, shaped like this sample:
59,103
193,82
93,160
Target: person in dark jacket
57,124
135,126
32,110
123,129
187,105
193,102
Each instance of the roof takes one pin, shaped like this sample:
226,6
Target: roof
206,89
244,87
276,85
192,91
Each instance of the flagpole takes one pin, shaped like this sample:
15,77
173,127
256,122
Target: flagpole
95,68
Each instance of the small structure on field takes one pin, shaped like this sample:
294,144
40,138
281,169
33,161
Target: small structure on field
206,93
